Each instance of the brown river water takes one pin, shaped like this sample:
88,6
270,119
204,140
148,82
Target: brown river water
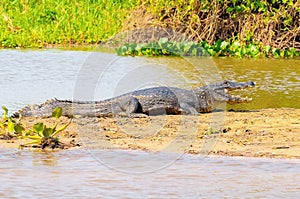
29,77
76,174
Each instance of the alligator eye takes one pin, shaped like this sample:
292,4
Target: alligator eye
252,84
226,82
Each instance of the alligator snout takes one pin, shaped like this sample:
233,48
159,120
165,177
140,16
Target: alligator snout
229,86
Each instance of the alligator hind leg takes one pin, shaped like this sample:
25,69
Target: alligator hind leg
188,109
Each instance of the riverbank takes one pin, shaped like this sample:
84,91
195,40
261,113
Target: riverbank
239,29
271,133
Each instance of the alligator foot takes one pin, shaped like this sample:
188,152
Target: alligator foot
126,105
188,109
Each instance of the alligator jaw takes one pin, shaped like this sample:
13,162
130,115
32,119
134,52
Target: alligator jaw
235,99
220,91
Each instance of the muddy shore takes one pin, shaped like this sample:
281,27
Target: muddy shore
271,133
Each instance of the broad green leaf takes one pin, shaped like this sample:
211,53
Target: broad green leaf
139,46
236,44
48,132
38,128
217,45
282,53
27,133
211,52
224,45
57,112
19,129
267,48
275,52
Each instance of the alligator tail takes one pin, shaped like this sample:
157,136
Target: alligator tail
42,110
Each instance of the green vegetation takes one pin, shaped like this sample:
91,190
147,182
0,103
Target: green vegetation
40,134
9,127
162,47
220,48
46,136
242,28
38,23
211,131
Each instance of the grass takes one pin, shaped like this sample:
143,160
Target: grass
38,23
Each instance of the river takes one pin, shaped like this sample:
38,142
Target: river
29,77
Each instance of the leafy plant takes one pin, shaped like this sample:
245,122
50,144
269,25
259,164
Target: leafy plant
40,134
219,25
46,136
211,131
231,48
163,47
10,127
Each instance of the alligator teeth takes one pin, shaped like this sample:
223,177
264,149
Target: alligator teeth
247,99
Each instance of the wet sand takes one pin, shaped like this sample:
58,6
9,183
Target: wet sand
271,133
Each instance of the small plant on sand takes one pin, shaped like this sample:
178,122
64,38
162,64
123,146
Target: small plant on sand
9,127
46,136
40,134
211,131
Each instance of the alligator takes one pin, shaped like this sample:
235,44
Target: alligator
149,101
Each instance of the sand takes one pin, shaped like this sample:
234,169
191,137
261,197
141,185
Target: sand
271,133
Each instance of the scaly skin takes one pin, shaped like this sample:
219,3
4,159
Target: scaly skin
150,101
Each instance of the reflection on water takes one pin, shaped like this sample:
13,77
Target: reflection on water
69,174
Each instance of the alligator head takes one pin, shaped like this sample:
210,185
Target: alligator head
219,92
